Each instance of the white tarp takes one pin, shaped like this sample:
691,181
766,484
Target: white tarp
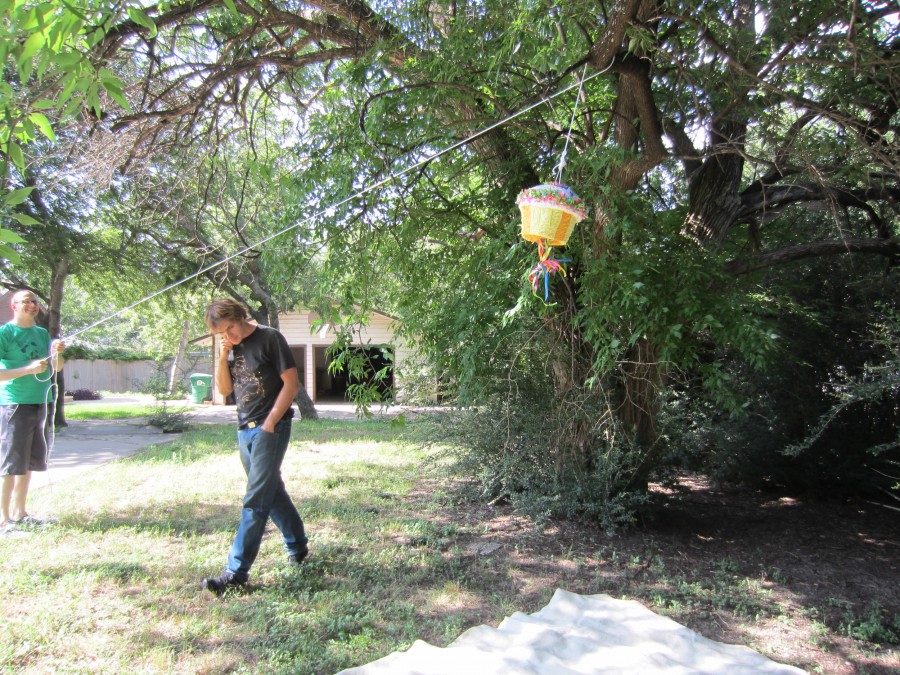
578,634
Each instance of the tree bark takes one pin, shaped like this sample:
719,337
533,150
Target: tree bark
179,355
57,282
306,405
890,248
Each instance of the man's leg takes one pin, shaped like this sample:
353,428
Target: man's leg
17,426
6,491
262,454
286,518
19,495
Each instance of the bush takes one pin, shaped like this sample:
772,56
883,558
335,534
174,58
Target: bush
170,420
106,353
545,455
807,425
84,395
158,387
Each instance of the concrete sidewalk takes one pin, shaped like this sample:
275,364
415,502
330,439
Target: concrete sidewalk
87,444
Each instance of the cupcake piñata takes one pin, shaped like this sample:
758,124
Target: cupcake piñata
549,213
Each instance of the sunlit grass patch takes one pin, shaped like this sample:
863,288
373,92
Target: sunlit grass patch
451,596
114,586
98,410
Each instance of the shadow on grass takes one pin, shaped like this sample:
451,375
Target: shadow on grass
392,561
346,498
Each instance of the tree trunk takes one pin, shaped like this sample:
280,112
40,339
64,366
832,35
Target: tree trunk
714,200
179,355
59,419
57,282
639,407
305,404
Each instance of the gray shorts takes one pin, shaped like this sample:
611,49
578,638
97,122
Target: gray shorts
23,439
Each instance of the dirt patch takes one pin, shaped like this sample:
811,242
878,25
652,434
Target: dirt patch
810,583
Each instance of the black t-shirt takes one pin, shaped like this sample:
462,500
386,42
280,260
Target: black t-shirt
256,365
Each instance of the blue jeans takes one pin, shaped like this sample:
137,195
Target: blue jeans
262,454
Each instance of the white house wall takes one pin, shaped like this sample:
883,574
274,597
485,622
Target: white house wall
380,331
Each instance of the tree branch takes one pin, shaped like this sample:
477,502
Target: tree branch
885,247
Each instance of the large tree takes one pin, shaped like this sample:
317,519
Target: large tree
713,141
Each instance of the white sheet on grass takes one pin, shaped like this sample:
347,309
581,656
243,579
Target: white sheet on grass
577,634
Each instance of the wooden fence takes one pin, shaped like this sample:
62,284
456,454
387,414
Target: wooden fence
122,376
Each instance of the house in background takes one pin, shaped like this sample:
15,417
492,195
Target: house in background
378,339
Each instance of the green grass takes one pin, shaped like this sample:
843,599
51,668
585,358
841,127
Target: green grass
114,587
98,410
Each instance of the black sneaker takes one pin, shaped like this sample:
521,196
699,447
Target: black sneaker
221,583
297,558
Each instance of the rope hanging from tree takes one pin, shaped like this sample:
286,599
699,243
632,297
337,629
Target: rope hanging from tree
550,212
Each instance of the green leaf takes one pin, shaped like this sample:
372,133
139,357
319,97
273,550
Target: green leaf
34,42
116,93
67,82
17,196
25,67
43,104
73,105
8,253
41,122
24,219
10,236
137,15
93,100
25,131
66,60
15,154
96,36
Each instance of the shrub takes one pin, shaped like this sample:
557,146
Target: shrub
78,351
84,395
545,455
807,426
158,387
170,420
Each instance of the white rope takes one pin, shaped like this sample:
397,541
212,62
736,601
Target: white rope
50,412
50,416
562,160
375,186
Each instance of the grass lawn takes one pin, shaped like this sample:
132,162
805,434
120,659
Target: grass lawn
113,587
119,409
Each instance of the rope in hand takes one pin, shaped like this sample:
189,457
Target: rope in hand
50,411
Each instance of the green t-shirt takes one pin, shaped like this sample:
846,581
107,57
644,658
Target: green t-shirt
19,347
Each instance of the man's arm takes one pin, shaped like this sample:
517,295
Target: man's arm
36,367
284,400
56,357
223,374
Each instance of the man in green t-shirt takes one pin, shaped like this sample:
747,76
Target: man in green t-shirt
25,378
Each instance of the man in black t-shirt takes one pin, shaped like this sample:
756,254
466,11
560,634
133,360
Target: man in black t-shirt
256,365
